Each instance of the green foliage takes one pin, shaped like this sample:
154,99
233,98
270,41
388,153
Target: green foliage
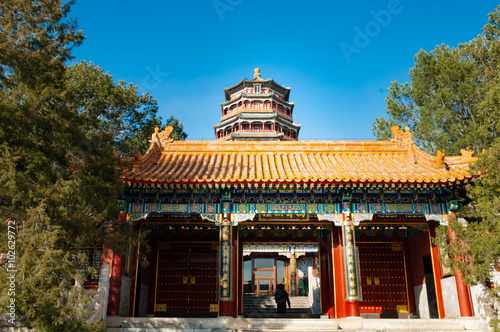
451,103
62,131
439,105
452,100
178,133
474,248
115,110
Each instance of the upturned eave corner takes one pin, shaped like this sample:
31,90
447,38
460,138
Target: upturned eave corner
159,141
404,140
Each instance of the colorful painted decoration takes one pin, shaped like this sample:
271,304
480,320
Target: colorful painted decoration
441,217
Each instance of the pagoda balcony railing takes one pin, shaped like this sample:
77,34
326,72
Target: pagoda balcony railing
228,133
249,109
257,130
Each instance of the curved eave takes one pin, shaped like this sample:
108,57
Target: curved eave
256,113
244,116
230,90
301,183
271,95
387,163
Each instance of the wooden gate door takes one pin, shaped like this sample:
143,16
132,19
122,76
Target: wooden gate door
203,278
383,277
172,286
187,279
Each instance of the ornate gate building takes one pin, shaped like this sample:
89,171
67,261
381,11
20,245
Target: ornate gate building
256,208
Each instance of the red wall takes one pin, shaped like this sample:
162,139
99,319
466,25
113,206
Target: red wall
419,247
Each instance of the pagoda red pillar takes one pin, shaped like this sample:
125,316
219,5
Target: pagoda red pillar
464,299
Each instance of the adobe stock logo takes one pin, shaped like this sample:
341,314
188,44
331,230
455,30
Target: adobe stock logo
154,78
372,29
223,6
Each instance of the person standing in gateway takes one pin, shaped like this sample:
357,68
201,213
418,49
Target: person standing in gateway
281,298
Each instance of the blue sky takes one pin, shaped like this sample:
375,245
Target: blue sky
339,57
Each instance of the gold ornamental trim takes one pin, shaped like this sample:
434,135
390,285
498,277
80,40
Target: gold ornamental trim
160,307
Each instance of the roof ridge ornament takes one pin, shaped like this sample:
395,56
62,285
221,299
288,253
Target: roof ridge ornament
467,154
162,139
256,75
403,139
440,159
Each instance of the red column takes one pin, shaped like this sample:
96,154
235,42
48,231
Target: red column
340,304
464,300
240,278
116,268
352,309
436,271
293,274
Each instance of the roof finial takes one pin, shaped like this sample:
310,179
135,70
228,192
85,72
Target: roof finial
256,74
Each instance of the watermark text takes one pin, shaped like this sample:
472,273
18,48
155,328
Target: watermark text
11,269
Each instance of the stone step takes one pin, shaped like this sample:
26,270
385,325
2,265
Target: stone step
266,306
445,325
272,297
277,323
260,305
274,309
296,304
294,301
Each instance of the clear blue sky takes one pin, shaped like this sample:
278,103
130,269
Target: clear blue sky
185,52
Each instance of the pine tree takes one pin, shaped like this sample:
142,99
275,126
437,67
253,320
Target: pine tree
453,103
62,132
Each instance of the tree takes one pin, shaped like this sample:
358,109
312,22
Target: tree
116,109
178,134
62,132
453,103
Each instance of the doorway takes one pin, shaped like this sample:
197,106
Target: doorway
429,285
262,275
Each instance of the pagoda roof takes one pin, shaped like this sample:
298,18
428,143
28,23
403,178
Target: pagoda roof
370,163
249,83
247,116
256,116
259,96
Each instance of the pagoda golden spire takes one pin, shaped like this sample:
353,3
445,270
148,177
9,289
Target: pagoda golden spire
256,74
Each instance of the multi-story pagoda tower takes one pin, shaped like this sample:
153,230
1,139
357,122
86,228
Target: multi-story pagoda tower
257,109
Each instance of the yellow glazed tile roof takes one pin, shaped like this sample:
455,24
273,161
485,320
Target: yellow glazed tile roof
398,161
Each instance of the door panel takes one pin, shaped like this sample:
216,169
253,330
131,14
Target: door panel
172,290
187,278
383,278
202,277
365,264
